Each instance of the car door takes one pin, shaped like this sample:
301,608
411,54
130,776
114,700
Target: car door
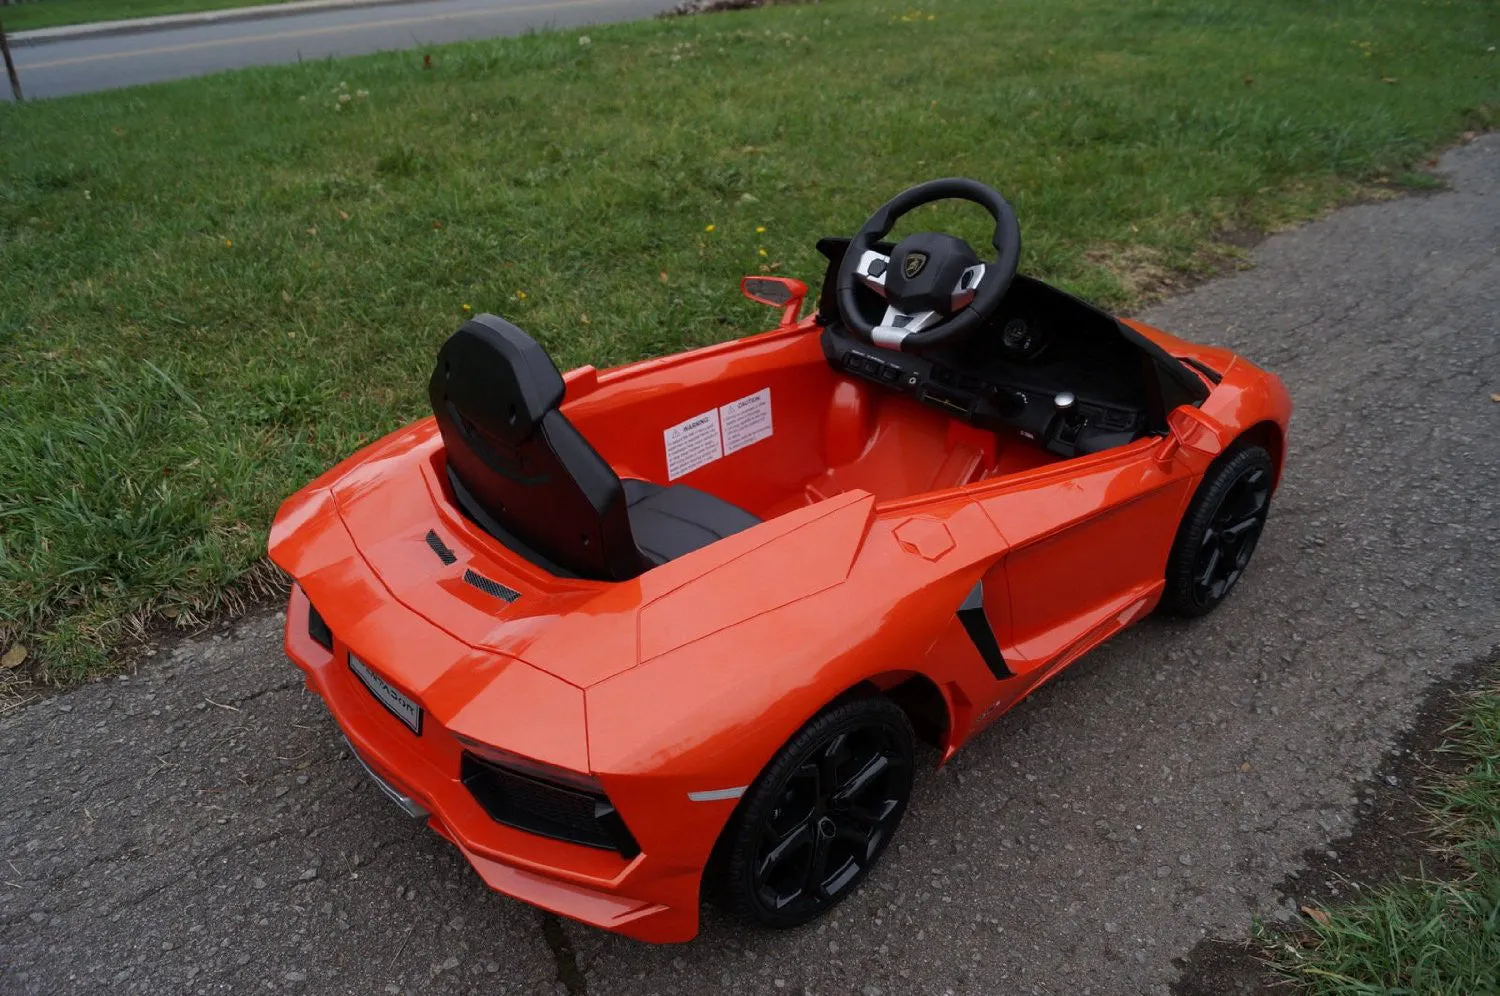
1088,544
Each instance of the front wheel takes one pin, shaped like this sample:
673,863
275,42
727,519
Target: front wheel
1219,532
819,816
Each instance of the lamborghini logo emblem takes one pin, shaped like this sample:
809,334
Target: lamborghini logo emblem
915,261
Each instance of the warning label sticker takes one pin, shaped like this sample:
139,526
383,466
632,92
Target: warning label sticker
718,432
746,421
692,444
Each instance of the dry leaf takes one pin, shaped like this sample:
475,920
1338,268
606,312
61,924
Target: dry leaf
1495,397
286,297
1317,915
14,657
344,215
1389,79
1245,767
663,276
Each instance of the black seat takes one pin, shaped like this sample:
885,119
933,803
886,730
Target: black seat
668,522
521,470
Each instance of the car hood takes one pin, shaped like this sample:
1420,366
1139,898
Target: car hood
434,561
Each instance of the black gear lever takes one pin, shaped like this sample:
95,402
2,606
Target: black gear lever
1070,416
1067,408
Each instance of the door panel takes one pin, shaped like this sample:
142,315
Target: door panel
1082,542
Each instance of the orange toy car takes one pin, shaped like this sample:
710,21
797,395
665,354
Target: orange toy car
634,636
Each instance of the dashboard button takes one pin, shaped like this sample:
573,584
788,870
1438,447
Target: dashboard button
890,373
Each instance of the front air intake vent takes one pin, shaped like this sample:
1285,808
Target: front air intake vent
318,629
492,588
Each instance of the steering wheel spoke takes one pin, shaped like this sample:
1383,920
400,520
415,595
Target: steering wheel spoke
967,287
872,269
897,325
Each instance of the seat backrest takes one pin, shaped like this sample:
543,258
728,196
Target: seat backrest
517,465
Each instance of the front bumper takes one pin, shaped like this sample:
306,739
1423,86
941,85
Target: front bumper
649,897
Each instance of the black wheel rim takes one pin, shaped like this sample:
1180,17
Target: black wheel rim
832,819
1231,536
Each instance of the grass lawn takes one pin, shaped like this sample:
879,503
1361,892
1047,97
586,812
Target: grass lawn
54,13
1424,938
215,288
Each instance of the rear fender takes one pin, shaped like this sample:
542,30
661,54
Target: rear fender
732,698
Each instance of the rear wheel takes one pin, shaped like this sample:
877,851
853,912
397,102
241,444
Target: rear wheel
820,815
1219,532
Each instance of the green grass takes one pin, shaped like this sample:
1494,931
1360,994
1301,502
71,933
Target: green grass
32,14
1424,937
215,288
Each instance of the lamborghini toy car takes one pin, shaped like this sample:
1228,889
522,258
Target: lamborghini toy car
628,638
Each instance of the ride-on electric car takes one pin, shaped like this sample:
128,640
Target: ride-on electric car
632,637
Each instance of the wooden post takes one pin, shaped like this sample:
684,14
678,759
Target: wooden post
10,66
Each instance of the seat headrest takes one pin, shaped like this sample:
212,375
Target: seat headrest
499,378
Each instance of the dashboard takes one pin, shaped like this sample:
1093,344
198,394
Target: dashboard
1050,367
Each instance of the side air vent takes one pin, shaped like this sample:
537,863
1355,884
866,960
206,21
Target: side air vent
440,548
492,588
977,625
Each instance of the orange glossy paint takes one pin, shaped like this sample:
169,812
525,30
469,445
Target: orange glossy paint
880,517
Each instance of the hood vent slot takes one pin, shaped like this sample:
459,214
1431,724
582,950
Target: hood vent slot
440,548
492,588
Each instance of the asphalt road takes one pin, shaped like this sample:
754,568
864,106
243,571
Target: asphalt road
198,828
106,62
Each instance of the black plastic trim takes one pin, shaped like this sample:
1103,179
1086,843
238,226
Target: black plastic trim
318,629
1202,368
561,812
981,634
492,588
446,555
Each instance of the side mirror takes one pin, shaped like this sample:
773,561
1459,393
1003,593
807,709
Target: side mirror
778,292
1191,430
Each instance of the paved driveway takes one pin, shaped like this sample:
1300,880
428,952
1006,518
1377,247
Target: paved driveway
198,828
105,62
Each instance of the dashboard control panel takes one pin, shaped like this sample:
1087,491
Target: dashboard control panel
1077,427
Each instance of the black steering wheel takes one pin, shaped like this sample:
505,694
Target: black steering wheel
936,288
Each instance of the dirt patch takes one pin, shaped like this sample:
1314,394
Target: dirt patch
15,689
1141,270
1146,277
1240,238
1392,839
1226,968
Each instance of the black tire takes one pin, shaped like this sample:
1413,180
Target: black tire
1219,531
805,834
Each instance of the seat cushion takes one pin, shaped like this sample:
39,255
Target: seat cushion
668,522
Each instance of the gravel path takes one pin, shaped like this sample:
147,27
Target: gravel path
198,827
